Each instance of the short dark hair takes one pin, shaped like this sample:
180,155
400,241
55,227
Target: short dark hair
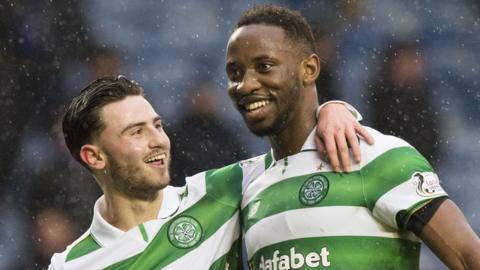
82,120
292,22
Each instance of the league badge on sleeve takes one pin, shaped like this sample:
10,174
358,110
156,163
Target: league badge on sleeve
427,184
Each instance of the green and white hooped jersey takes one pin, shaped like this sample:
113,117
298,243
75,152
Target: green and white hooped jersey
299,214
198,227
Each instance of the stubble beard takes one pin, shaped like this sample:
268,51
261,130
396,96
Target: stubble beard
131,181
282,119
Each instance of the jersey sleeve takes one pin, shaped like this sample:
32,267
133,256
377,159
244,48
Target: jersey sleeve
253,167
225,184
57,262
398,182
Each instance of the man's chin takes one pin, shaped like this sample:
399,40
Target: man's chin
147,192
160,184
260,132
263,130
162,180
258,129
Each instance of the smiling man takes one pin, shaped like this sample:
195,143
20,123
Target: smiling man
141,222
299,213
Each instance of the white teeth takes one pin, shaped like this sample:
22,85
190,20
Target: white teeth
155,158
256,105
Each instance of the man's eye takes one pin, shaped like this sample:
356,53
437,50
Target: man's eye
264,67
234,74
158,126
137,131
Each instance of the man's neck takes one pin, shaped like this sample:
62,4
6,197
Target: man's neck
125,213
291,139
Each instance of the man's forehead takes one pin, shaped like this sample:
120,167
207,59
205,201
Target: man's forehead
127,110
258,39
247,34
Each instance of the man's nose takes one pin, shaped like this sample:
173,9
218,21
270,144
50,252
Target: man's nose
249,83
158,138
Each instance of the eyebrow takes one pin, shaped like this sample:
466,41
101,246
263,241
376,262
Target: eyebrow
255,59
262,57
139,124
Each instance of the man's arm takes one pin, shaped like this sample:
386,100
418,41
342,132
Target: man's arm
451,238
338,130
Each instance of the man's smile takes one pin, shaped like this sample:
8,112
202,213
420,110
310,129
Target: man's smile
157,159
255,105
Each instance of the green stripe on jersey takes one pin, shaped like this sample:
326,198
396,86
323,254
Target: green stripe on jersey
341,252
390,170
143,232
268,159
232,260
225,184
87,245
344,190
210,211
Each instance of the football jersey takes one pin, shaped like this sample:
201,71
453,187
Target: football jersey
198,227
300,214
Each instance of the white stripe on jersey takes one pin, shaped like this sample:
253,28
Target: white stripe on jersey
197,193
322,222
251,168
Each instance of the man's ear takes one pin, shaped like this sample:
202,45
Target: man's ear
311,69
92,156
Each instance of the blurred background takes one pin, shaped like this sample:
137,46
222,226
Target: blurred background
410,67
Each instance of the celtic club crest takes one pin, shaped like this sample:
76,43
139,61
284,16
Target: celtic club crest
313,190
184,232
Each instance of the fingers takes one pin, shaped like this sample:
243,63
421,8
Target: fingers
343,150
331,148
337,130
352,140
364,133
321,149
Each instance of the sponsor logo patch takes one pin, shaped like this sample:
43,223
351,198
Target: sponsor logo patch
184,232
427,183
313,190
294,260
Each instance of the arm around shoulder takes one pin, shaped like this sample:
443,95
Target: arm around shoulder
451,238
337,130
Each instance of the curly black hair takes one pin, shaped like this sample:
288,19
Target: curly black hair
292,22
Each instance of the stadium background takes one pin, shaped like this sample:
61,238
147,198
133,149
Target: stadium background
175,49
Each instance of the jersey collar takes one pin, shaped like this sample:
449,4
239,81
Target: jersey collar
308,145
170,202
106,234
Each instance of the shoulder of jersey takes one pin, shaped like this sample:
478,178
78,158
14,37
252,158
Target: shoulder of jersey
59,259
252,168
211,179
252,163
382,144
